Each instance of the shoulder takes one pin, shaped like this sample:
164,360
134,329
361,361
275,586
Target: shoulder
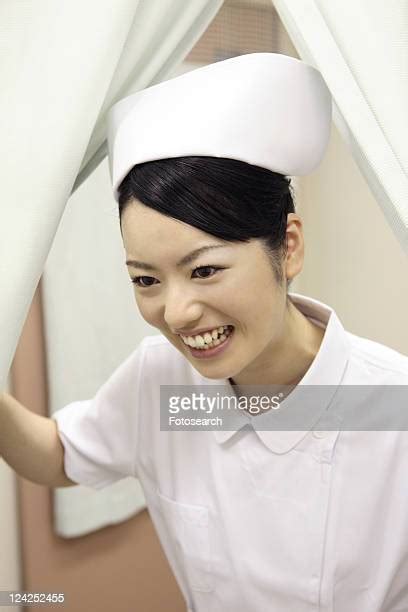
163,360
157,346
379,362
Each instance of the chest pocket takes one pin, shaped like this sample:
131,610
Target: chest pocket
189,526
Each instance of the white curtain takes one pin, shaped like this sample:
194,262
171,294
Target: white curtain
63,65
361,49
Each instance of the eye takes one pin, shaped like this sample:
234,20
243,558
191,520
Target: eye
137,279
216,268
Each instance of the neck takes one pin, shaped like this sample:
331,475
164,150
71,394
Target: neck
296,349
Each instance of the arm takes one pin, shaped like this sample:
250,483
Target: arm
30,444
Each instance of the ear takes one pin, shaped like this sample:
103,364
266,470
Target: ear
295,246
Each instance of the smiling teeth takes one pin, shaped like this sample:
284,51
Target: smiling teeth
216,342
208,339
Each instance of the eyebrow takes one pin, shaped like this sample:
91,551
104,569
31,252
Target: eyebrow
189,258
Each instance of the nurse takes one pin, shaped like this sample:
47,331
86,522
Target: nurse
251,518
200,161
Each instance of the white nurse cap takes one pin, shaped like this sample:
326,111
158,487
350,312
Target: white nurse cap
266,109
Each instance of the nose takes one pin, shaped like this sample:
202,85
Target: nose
182,310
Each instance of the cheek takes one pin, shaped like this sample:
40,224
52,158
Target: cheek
146,311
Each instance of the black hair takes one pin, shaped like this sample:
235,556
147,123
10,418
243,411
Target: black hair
227,198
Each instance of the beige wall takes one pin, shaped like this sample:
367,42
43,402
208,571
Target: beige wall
353,260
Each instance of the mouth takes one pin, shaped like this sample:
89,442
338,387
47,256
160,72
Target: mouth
215,347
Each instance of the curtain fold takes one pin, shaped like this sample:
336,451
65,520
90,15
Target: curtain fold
54,82
361,50
66,64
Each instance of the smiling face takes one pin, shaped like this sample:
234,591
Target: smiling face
236,285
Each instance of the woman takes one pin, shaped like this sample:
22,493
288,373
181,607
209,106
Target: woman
258,250
251,519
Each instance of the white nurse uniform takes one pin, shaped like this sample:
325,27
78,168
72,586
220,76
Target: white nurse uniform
259,521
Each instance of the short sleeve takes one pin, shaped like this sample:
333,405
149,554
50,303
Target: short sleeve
99,435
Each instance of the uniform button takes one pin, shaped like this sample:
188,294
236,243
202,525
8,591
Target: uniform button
319,434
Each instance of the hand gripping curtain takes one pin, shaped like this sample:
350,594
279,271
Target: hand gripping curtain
63,66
